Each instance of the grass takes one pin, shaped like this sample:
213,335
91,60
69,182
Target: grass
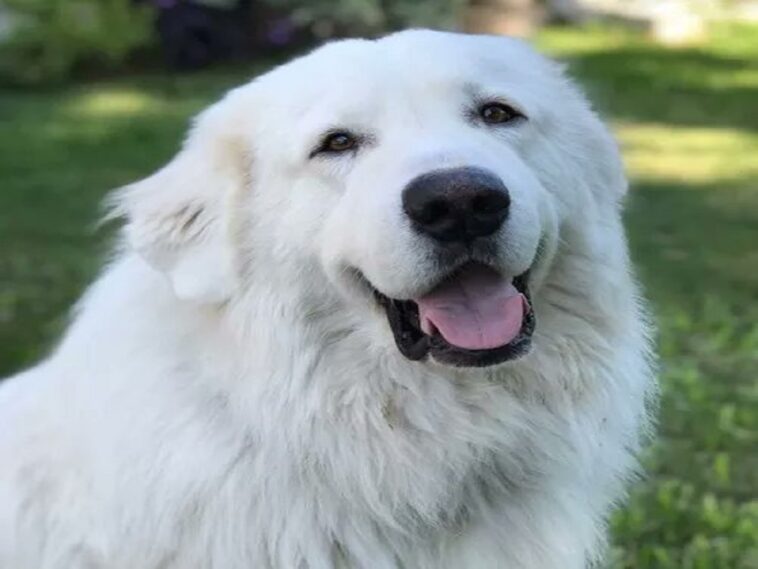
688,123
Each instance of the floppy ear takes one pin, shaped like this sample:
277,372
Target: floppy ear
178,219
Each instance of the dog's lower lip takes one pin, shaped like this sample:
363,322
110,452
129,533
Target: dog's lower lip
415,344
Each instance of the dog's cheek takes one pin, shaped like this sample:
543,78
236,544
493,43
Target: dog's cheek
287,218
548,241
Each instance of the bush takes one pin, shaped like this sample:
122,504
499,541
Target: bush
326,18
50,37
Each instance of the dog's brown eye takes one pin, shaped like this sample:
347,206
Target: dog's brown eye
338,142
497,113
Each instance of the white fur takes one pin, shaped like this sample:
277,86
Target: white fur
229,396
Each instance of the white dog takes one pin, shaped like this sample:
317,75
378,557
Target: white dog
377,313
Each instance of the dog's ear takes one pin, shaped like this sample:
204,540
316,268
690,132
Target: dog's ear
178,219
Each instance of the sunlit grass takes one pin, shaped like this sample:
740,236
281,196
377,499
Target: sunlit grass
591,38
689,155
116,102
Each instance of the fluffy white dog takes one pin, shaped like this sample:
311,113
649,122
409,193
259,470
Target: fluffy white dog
377,313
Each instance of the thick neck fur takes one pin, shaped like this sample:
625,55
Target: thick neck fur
375,450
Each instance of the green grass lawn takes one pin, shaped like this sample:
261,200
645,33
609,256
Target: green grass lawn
688,122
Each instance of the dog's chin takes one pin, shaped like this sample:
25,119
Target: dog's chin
433,328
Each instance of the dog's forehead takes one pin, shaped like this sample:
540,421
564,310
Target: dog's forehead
416,58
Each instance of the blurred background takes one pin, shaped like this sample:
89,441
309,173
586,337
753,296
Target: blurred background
98,93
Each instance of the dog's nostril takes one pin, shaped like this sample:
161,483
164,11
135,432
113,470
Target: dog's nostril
457,204
489,202
434,211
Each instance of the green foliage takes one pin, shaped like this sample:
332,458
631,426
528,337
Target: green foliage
50,37
697,511
367,17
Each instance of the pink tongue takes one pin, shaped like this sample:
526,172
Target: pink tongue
477,310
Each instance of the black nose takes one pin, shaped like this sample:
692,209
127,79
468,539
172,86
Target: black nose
458,204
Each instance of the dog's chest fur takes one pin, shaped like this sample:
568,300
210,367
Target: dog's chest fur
372,467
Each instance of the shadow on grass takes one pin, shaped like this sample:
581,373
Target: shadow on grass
679,87
691,241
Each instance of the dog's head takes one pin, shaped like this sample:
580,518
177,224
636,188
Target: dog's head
422,179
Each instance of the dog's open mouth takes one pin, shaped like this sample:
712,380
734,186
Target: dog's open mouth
473,318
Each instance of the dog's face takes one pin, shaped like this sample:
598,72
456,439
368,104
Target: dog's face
423,179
